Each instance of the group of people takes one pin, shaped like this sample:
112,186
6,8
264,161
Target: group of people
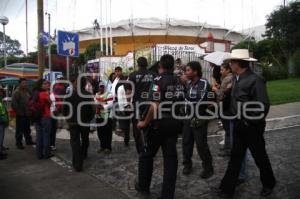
160,102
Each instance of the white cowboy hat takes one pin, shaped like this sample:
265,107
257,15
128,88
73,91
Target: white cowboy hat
240,54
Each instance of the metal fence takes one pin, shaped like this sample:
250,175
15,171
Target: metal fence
185,57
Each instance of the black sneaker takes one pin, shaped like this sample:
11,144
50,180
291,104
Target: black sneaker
266,191
187,170
240,182
224,153
219,193
5,148
224,195
30,143
20,147
205,174
3,156
144,191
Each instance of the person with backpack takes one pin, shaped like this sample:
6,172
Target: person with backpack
20,102
3,124
41,112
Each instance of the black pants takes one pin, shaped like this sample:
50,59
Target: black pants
53,132
137,136
166,138
198,135
80,144
248,137
23,128
105,134
125,126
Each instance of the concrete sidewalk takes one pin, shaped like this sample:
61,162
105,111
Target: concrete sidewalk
22,175
283,116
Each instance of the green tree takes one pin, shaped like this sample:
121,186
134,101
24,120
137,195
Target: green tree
90,52
283,25
12,46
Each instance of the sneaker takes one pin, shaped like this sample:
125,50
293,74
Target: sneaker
266,191
187,170
240,182
53,148
20,146
219,193
224,153
107,151
205,174
141,190
30,143
100,150
5,148
3,156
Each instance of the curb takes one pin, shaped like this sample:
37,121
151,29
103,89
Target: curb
282,122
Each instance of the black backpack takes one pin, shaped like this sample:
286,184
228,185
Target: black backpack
35,107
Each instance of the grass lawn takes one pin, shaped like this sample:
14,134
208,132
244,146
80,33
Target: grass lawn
284,91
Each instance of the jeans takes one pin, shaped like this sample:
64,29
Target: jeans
43,129
198,135
2,132
23,128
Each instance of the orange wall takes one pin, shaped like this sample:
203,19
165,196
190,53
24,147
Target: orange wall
126,44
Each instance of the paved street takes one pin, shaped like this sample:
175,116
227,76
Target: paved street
112,176
22,176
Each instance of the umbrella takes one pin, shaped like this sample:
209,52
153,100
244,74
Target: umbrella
217,57
13,81
26,70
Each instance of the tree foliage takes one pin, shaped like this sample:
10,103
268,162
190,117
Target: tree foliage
12,46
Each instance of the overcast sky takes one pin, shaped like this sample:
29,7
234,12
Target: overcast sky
77,14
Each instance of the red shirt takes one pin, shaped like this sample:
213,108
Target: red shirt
45,102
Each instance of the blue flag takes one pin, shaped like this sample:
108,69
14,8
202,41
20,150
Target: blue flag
45,38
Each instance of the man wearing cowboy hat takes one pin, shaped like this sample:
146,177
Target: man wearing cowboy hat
250,126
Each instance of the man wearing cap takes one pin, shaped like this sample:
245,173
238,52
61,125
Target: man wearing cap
249,126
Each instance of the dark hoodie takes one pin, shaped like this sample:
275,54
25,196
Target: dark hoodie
87,111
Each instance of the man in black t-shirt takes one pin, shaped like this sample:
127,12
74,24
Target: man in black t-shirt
142,80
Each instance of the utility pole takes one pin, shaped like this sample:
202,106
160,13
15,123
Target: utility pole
49,45
106,28
110,30
26,22
41,53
